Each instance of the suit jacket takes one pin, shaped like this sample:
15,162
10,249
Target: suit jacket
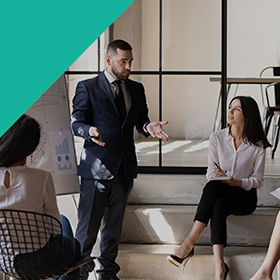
94,105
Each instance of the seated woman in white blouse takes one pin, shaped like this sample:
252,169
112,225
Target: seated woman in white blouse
237,152
29,189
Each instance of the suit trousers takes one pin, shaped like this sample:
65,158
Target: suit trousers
105,199
220,200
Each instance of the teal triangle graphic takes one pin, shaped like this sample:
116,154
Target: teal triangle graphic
40,40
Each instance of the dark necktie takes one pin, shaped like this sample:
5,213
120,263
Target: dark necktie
120,103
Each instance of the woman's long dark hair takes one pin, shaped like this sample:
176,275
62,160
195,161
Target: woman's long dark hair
19,141
253,129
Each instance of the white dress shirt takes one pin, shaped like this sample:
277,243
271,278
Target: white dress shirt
245,163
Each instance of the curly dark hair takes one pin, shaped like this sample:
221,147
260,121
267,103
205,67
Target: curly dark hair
19,141
253,128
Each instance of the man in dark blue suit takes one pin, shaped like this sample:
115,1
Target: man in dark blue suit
105,111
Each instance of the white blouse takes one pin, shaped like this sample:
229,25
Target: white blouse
246,163
30,190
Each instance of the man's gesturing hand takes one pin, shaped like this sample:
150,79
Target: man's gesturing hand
156,131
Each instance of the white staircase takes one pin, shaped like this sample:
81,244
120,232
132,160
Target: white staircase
159,216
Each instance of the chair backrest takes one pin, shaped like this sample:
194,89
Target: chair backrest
30,246
275,72
273,90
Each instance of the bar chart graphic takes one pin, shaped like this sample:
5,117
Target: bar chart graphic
63,154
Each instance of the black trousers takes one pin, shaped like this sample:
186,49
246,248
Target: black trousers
220,200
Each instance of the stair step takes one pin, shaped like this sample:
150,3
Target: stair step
148,262
169,224
187,189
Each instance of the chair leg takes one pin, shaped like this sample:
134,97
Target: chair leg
276,136
267,120
268,123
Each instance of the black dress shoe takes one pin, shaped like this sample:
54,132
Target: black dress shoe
80,273
178,261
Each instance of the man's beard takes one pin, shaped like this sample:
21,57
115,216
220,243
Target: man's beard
119,75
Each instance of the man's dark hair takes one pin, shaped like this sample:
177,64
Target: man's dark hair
118,44
19,141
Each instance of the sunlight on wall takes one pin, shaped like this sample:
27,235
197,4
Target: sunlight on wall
159,224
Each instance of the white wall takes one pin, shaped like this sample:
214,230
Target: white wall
253,35
253,40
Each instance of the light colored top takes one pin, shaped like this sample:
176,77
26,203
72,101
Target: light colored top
30,190
245,164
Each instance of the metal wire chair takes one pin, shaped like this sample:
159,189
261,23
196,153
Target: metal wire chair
31,248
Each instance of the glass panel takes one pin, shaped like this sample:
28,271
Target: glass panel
190,110
147,148
191,35
150,35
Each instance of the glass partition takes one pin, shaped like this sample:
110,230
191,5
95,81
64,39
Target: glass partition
189,104
147,149
191,35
